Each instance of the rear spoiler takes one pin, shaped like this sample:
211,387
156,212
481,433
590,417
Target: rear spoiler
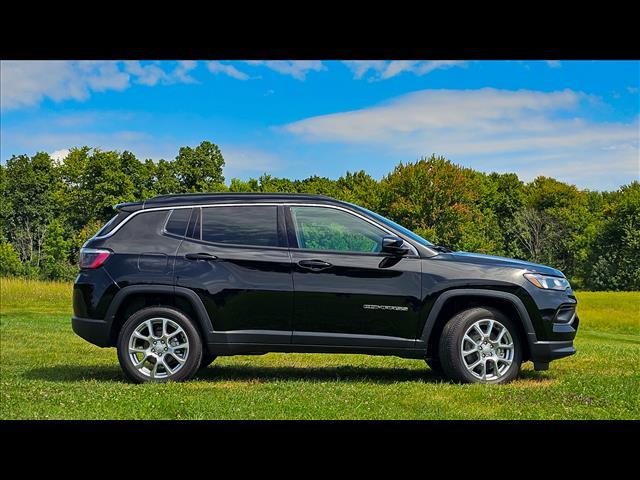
129,206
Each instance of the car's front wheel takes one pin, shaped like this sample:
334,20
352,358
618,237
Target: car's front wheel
480,345
158,344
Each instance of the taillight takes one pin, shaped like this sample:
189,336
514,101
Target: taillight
93,257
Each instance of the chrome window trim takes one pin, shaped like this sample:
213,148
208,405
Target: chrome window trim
253,204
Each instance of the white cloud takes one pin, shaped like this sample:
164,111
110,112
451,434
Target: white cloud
152,74
142,144
383,70
219,67
554,63
148,75
59,155
521,131
181,72
242,161
27,83
298,69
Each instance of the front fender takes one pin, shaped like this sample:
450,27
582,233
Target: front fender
525,319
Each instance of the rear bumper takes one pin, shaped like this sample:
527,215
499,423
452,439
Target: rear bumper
93,331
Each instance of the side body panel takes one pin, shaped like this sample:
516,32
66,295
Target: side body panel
245,289
358,298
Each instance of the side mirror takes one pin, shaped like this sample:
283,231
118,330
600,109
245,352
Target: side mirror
394,245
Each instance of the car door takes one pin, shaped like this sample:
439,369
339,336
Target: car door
346,291
236,259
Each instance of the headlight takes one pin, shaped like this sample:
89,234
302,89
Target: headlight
547,282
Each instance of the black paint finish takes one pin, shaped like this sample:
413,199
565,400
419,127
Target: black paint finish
257,298
332,300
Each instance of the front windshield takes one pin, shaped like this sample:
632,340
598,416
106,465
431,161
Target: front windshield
395,226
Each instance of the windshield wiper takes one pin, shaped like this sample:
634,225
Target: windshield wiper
440,248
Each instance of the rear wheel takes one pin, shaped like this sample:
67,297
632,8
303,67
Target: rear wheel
159,344
480,345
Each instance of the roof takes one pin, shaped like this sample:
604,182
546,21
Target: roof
210,198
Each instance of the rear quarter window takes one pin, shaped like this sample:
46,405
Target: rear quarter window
255,225
113,223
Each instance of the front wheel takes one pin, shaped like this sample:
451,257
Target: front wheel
480,345
159,344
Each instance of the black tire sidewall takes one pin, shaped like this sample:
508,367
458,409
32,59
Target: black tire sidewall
195,344
450,354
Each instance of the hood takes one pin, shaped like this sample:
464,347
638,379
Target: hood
492,260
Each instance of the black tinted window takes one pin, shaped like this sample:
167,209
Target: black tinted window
250,225
113,223
178,220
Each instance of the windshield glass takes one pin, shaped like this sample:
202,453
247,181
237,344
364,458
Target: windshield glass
395,226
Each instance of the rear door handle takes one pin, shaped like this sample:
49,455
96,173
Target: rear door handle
200,256
315,265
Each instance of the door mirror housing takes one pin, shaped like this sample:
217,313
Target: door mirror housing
394,245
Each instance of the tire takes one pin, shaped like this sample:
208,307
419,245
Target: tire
176,364
499,362
207,359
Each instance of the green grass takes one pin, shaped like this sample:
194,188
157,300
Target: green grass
47,372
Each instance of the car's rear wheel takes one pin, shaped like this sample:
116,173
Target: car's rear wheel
158,344
480,345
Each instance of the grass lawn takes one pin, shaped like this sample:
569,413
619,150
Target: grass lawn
47,372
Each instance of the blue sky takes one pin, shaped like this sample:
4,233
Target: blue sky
577,121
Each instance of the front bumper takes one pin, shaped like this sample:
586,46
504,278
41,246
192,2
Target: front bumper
546,351
93,331
563,332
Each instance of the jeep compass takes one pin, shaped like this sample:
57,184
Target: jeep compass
178,280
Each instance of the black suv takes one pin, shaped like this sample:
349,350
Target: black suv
177,280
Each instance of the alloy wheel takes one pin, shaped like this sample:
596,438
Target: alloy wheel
487,349
158,347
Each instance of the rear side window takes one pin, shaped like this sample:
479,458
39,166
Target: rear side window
178,221
113,223
241,225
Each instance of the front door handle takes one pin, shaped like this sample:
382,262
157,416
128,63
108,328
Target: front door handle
315,265
200,256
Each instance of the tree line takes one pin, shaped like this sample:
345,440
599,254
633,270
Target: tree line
49,209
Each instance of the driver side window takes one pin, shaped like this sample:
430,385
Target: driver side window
322,228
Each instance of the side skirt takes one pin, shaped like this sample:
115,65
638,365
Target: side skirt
227,349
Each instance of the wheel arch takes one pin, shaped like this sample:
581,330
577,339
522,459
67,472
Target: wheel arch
135,297
452,302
